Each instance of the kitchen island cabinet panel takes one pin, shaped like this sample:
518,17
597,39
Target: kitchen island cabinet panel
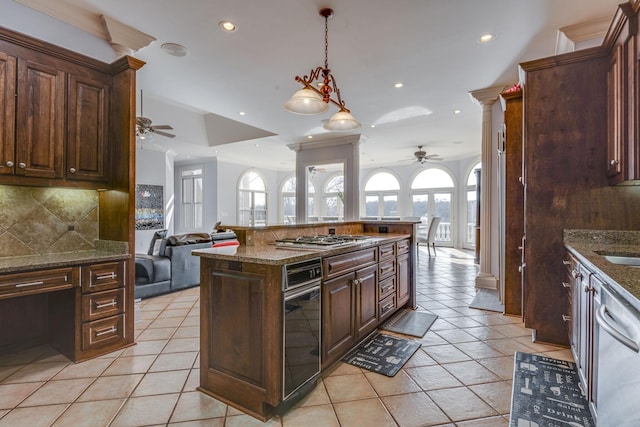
366,300
338,323
403,282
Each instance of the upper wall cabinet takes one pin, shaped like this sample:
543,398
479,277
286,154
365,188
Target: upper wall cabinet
623,161
54,118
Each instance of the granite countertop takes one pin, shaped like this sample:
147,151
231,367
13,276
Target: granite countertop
104,251
272,255
588,245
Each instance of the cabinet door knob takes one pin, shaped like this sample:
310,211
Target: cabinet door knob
9,163
614,162
22,165
72,170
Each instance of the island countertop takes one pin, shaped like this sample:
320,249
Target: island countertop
273,255
590,246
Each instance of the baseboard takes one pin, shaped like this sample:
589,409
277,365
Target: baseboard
487,281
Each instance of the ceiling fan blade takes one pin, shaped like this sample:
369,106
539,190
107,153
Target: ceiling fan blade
162,127
143,121
159,132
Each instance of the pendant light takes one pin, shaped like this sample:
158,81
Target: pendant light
310,100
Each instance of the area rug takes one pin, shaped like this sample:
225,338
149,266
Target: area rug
487,299
546,393
410,322
383,354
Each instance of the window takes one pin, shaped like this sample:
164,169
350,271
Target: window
334,198
192,206
432,195
381,195
252,200
289,200
472,207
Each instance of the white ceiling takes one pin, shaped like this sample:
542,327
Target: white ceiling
429,45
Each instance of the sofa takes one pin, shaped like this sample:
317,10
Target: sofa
168,265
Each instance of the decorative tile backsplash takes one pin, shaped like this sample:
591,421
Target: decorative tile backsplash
36,220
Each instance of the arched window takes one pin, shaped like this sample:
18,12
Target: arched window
381,194
334,199
288,192
472,207
432,195
252,199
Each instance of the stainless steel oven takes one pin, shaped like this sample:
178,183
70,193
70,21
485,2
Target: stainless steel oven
301,327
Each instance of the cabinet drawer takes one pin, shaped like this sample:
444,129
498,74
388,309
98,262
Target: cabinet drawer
387,287
386,251
100,277
34,282
403,246
387,306
103,332
387,268
343,263
103,304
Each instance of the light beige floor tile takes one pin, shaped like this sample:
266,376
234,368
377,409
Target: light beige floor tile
114,387
348,387
485,422
497,394
461,404
50,393
169,312
23,357
478,350
187,332
432,339
432,377
193,380
564,354
181,345
35,372
508,346
311,416
6,371
501,366
512,330
192,320
130,365
42,416
89,414
446,354
88,369
153,334
167,322
419,358
471,372
367,412
484,333
197,406
456,336
538,347
211,422
143,348
342,368
244,420
174,361
12,394
161,383
317,396
387,386
146,410
149,314
180,305
415,409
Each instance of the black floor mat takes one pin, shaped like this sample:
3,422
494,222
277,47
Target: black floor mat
410,322
383,354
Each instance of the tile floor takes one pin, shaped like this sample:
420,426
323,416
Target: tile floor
461,376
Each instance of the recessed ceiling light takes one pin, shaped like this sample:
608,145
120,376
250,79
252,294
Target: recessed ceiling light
174,49
398,85
309,136
227,26
257,145
457,111
485,38
242,113
373,126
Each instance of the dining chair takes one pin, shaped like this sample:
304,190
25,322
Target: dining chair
428,235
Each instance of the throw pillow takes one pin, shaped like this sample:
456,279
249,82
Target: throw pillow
157,246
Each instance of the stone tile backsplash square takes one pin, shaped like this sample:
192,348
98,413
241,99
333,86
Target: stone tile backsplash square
38,221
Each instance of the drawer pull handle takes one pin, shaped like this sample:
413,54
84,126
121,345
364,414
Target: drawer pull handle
566,318
106,331
107,304
106,276
565,262
387,307
23,285
566,285
387,288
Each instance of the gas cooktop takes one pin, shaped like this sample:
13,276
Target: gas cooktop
321,241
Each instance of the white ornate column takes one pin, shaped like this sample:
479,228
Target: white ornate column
486,98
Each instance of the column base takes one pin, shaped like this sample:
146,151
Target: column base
486,281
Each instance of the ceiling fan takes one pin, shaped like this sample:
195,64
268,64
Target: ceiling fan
422,157
144,126
312,170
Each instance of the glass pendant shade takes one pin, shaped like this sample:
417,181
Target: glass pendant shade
306,101
342,121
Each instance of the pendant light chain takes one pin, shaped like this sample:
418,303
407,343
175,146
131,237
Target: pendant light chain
326,42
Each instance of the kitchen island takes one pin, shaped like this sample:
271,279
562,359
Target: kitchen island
271,319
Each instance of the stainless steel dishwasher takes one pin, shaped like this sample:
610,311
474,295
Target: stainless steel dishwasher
617,380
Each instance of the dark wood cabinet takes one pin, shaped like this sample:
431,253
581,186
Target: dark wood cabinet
366,300
616,135
8,69
338,320
403,273
39,120
87,123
